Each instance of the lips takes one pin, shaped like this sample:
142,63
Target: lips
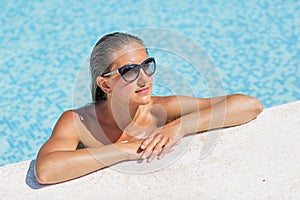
143,90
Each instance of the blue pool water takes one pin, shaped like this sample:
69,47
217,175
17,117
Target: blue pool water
255,47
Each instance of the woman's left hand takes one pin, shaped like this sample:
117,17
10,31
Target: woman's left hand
161,142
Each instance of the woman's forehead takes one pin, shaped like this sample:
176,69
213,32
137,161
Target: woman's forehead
133,54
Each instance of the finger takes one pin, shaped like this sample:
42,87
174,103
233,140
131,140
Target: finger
161,144
150,138
149,148
157,149
162,147
163,153
176,143
166,150
167,143
146,142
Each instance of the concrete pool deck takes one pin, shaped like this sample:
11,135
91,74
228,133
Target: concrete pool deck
258,160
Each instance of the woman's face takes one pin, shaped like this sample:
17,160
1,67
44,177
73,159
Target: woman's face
136,92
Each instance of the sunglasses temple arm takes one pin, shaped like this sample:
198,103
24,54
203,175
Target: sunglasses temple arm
111,73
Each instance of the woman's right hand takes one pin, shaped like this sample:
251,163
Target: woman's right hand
131,148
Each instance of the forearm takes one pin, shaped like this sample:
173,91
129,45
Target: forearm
61,166
233,110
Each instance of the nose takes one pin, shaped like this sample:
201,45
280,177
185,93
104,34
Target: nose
143,78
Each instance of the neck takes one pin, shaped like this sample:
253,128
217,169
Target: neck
121,114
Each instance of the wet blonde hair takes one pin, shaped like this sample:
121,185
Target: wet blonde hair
102,58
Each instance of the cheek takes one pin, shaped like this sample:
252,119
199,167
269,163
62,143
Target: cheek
123,90
127,90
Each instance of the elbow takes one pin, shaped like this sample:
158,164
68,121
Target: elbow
41,179
256,106
42,172
251,105
248,107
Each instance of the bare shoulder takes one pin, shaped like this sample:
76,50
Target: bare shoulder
66,122
64,135
167,106
164,100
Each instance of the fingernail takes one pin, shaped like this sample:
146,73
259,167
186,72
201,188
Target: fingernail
143,146
150,160
144,156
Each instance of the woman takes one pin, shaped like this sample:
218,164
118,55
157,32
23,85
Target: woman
125,122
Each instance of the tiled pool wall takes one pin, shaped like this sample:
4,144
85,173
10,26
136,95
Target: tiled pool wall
253,44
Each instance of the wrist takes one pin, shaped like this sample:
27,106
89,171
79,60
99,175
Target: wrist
178,127
187,124
123,153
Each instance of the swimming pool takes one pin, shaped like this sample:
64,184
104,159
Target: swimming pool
254,45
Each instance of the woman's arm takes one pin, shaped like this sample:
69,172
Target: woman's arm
203,115
177,106
232,110
58,160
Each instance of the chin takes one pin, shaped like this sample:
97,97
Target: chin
141,100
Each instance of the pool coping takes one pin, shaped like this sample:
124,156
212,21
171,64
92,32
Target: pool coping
257,160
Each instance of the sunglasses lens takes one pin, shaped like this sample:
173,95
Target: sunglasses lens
149,67
130,73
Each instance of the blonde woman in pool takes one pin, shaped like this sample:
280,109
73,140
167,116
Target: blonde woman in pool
125,122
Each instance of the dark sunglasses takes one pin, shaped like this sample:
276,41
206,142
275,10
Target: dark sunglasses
131,72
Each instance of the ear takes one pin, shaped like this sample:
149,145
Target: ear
103,84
